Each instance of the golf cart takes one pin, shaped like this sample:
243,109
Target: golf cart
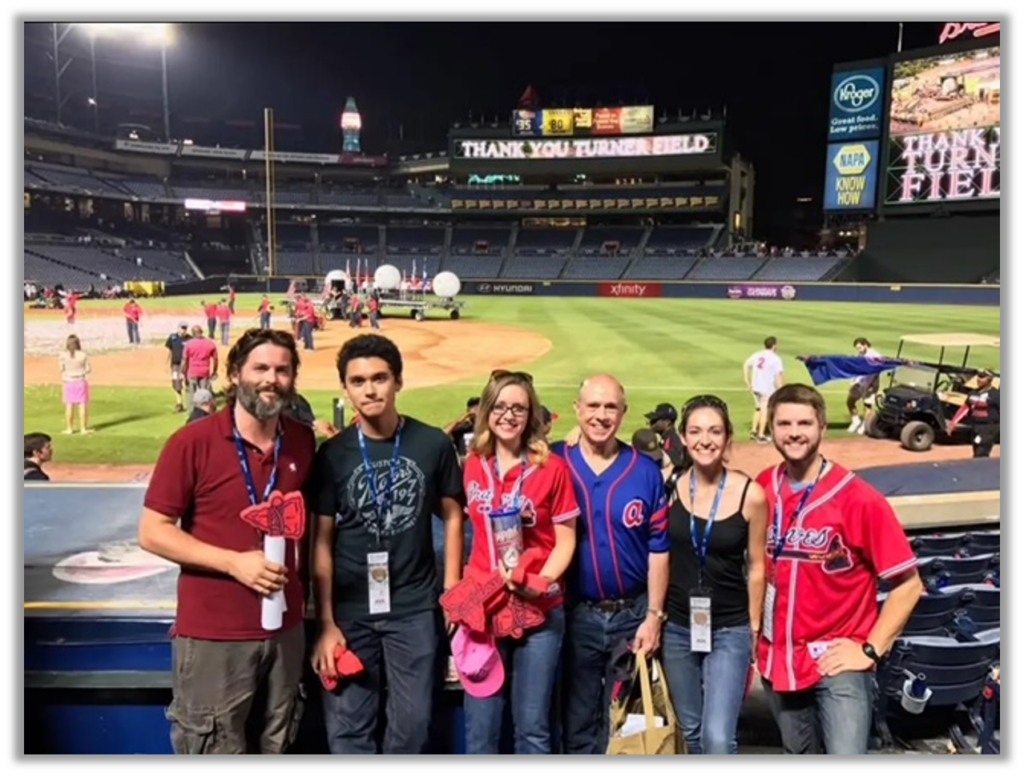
923,397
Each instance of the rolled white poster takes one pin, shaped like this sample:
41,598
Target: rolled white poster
272,614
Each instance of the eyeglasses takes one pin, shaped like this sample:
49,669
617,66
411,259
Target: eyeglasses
497,374
517,410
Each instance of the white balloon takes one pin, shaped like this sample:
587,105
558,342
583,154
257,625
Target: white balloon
447,284
387,277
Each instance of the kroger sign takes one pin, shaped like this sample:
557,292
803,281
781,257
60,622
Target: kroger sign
857,104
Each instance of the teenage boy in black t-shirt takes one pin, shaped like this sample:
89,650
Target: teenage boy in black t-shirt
374,568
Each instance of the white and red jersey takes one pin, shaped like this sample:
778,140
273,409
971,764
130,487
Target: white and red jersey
547,497
826,576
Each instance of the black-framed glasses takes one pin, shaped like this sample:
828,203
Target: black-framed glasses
497,374
517,410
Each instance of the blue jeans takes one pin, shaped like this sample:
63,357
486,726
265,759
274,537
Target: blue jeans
707,689
832,717
225,333
590,637
264,320
306,333
398,651
133,331
531,664
211,326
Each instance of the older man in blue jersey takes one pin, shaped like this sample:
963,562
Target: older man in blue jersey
619,579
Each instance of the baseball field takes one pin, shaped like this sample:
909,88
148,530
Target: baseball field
662,350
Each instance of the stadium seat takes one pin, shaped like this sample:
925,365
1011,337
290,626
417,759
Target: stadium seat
939,544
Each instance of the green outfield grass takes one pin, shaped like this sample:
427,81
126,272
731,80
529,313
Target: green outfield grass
661,349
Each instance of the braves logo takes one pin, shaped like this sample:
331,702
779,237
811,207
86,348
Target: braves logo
633,514
475,494
528,514
817,546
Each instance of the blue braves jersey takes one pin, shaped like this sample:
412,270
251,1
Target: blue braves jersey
624,517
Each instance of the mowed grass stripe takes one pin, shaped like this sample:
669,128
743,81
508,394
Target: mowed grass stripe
662,349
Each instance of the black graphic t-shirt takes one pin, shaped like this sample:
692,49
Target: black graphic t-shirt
427,471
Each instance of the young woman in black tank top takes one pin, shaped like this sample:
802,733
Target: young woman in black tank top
717,573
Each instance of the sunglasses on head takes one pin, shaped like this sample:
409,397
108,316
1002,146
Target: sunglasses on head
497,374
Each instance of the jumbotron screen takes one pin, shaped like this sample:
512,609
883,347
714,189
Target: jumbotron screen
944,131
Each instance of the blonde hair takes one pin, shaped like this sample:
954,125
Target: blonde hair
73,344
533,435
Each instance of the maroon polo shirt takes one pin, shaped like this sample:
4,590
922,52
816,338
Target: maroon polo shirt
199,478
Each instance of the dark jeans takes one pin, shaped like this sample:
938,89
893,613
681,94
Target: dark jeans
590,636
707,689
264,320
306,333
211,326
133,331
531,664
832,717
400,652
216,684
374,320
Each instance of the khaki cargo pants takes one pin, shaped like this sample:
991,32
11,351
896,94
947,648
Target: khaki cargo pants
216,688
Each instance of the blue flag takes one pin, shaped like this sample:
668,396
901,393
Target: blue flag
824,369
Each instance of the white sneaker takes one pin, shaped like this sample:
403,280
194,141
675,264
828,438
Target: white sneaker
860,428
854,425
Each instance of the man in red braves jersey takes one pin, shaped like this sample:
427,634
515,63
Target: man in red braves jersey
831,537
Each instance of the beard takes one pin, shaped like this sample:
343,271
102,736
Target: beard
249,396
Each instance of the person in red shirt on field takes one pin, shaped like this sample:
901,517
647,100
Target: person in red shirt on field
373,307
208,473
210,312
264,311
831,537
71,307
307,323
510,468
355,312
224,319
199,363
132,315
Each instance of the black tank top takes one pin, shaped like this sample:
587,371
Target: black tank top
724,570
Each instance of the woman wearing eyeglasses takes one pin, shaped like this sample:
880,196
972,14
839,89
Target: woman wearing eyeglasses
509,470
717,532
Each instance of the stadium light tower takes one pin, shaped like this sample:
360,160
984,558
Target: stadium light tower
147,33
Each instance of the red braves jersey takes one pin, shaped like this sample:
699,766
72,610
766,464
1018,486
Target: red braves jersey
223,313
132,311
547,498
826,577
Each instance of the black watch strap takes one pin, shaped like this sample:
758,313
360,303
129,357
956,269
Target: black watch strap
871,652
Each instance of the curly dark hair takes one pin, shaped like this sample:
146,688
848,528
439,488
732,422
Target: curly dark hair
370,346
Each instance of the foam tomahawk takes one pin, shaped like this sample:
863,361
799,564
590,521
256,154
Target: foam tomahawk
280,517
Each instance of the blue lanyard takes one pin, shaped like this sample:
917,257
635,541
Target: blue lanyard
247,472
780,536
381,501
517,501
701,549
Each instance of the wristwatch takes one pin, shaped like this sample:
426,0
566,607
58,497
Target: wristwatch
871,653
662,617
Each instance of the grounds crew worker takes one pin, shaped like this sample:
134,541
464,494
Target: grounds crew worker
983,407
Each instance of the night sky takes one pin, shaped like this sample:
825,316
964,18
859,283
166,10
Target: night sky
774,78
